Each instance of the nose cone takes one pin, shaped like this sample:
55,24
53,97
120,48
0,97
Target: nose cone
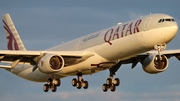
172,31
175,29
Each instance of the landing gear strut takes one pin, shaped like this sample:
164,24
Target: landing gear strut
79,82
159,48
111,84
52,84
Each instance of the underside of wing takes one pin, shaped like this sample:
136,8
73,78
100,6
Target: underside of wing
141,57
152,61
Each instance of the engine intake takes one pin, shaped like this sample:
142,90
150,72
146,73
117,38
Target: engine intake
51,63
154,64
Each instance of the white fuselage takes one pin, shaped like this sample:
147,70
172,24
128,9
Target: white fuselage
110,46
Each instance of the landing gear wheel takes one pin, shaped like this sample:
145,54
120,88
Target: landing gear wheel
109,81
85,84
74,82
49,81
113,88
57,82
45,87
117,81
105,87
54,88
78,84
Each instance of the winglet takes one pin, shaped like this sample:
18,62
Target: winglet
13,39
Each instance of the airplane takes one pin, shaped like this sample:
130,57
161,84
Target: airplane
142,40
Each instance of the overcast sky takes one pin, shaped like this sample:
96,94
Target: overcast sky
46,23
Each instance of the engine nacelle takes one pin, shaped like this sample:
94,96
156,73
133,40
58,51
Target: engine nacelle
51,64
153,64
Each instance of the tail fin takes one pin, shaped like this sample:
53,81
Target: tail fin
13,39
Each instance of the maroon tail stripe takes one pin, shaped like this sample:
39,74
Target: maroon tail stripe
11,38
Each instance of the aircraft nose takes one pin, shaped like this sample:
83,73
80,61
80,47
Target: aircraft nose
175,28
171,32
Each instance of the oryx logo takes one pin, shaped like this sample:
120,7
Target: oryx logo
12,44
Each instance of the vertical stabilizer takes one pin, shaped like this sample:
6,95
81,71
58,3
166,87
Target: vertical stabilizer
13,39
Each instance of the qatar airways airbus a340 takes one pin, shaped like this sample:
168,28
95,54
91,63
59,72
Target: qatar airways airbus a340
131,42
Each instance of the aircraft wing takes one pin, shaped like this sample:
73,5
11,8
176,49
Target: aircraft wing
140,57
168,53
32,57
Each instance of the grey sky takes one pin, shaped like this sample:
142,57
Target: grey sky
46,23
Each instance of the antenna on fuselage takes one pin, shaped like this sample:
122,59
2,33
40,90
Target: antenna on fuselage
119,23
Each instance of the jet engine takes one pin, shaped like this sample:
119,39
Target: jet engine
51,64
154,64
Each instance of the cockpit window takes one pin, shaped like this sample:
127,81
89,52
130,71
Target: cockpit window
161,20
168,20
172,19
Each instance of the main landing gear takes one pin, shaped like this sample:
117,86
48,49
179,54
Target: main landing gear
79,82
111,84
52,84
